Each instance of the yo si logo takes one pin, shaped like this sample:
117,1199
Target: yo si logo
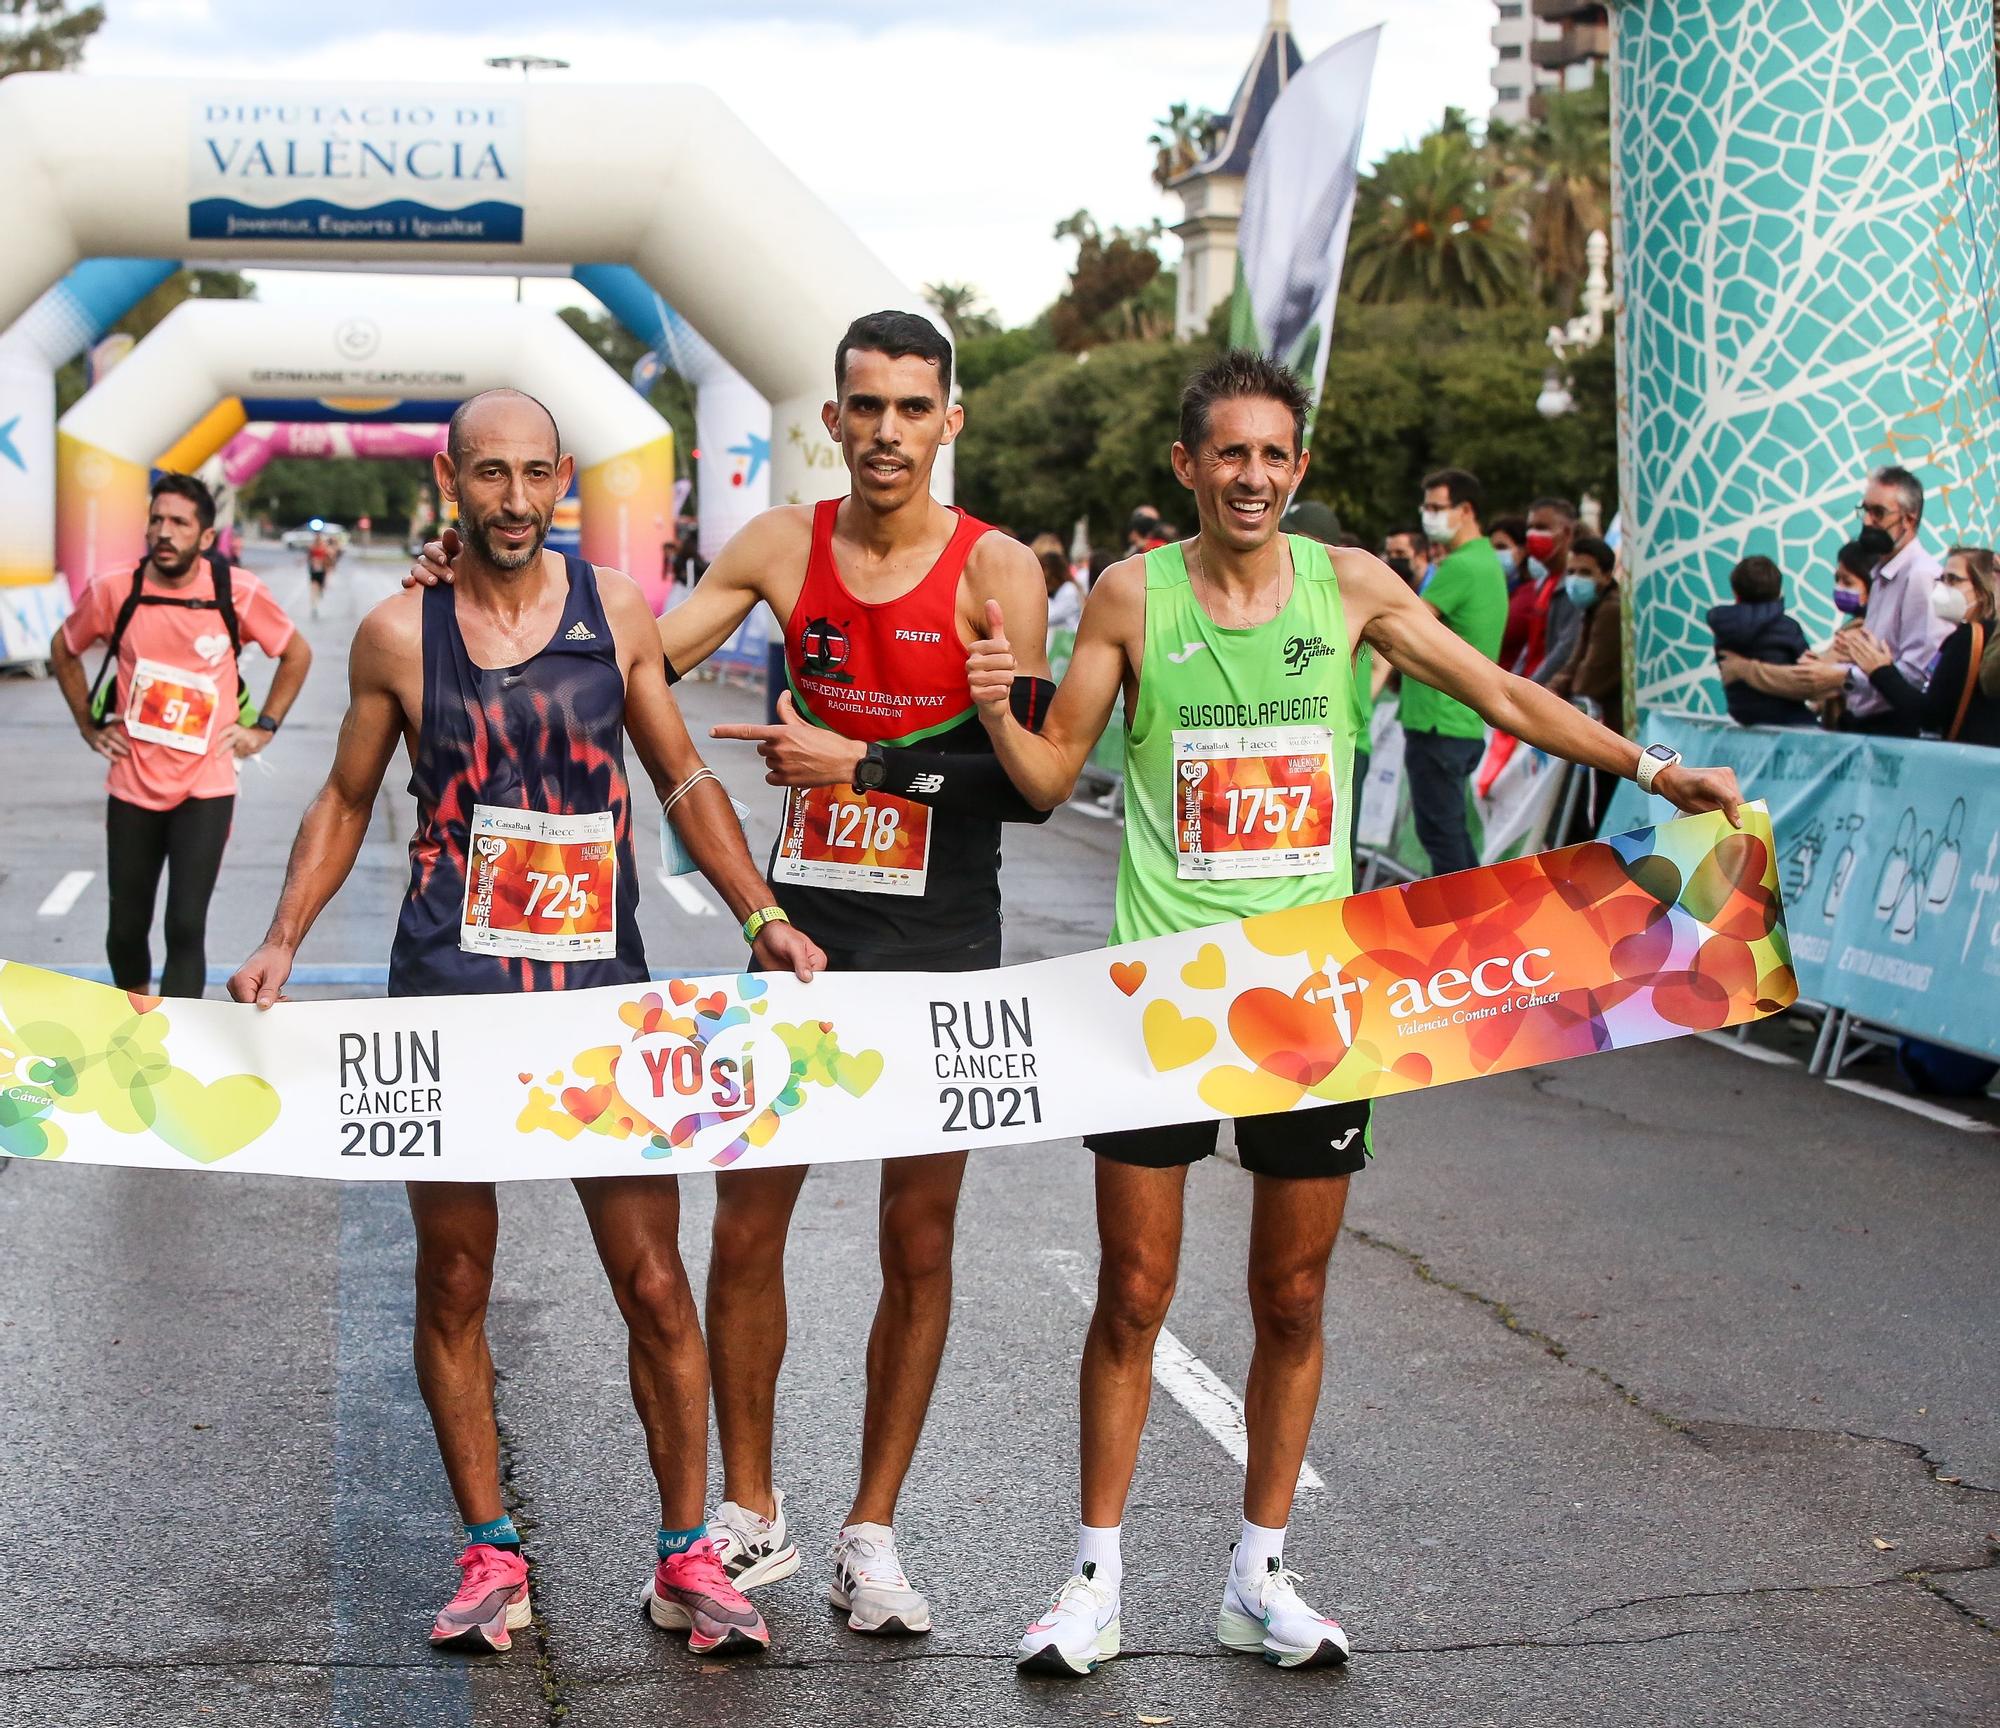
356,338
699,1094
1194,772
490,845
823,647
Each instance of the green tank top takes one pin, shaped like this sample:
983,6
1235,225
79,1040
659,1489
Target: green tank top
1239,757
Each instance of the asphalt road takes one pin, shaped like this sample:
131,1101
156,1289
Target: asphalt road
1662,1388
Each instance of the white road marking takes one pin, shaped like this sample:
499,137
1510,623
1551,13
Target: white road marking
65,893
1195,1386
688,897
1756,1052
1916,1106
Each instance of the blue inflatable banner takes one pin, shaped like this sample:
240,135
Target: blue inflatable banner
1889,856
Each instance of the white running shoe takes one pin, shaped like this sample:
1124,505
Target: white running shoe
869,1584
754,1550
1268,1618
1078,1632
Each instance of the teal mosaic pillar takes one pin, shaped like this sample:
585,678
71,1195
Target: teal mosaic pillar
1806,206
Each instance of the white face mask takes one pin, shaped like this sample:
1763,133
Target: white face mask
1948,602
1437,524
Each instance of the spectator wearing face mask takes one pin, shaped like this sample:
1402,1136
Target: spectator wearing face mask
1818,677
1442,738
1596,671
1756,627
1956,701
1407,551
1553,623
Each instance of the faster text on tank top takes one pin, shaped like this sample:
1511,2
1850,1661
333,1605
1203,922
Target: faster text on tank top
872,871
1239,756
521,868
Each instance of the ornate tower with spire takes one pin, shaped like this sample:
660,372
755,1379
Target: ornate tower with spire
1211,192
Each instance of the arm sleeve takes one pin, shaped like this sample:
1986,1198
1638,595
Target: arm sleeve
972,783
1938,706
1903,697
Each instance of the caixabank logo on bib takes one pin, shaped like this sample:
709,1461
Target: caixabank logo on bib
696,1076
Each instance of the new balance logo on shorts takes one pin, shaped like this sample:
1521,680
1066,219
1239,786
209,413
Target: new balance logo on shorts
926,782
579,632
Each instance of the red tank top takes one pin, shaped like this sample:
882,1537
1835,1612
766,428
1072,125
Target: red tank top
885,672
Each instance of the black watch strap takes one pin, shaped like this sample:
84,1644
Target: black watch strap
264,723
873,770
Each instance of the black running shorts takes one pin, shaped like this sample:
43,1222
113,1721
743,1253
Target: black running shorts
1327,1140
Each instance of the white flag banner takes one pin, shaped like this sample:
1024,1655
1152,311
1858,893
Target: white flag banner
1297,203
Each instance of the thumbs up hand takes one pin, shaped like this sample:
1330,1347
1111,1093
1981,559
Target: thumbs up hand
989,668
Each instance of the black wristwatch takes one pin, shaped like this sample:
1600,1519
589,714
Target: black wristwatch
264,723
872,771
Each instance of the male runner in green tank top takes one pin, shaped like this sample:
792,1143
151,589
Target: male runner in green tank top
1233,653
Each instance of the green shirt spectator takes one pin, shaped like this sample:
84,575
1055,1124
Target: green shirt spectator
1468,590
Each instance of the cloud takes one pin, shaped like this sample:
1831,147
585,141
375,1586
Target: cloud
952,145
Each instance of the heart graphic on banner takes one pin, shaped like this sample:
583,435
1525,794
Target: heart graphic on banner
207,1123
703,1096
1248,1091
1128,975
1207,970
1286,1036
1174,1039
681,991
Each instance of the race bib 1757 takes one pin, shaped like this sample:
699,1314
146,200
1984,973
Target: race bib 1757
1256,801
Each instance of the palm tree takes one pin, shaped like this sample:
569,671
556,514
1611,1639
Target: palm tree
1426,228
1180,139
961,306
1571,197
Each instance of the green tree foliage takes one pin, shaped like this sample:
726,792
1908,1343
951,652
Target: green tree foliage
1181,137
1569,160
1117,291
960,305
139,323
293,489
44,35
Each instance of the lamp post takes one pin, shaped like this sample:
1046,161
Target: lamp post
529,64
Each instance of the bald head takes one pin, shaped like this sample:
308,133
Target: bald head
512,417
504,468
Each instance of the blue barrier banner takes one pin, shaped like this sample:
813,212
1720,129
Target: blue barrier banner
1889,856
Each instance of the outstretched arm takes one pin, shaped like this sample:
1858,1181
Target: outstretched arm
1412,639
330,836
1045,765
703,816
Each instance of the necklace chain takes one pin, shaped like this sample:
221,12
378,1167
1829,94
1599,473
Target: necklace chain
1200,572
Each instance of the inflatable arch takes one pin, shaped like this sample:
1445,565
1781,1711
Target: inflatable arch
261,442
185,391
663,180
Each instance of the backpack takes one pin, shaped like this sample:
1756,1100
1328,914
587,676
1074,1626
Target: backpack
104,704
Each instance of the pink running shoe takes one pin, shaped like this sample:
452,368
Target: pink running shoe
491,1604
692,1593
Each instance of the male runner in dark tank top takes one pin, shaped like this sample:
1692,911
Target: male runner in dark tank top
513,691
889,854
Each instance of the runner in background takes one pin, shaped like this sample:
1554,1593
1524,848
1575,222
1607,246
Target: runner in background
889,852
166,710
1233,654
512,693
321,556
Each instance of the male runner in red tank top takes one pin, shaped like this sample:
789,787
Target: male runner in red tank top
879,593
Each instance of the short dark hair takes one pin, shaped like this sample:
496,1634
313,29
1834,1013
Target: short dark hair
898,335
196,492
1514,527
454,432
1757,578
1561,506
1857,560
1239,373
1406,533
1597,551
1906,486
1460,486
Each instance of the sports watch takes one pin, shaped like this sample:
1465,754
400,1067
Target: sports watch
758,920
871,773
264,723
1654,761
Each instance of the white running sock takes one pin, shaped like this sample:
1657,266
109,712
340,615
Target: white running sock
1097,1547
1256,1548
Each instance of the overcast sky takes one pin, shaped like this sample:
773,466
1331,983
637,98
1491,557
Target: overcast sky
1022,111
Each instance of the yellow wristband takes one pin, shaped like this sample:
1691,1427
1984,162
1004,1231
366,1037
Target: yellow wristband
757,920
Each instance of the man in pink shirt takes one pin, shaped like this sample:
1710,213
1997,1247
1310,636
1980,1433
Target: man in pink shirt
170,729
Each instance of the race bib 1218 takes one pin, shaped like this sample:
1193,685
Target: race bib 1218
865,842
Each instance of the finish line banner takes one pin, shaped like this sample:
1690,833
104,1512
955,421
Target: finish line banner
1614,943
